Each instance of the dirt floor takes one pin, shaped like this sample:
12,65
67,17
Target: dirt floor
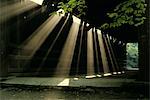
109,88
70,93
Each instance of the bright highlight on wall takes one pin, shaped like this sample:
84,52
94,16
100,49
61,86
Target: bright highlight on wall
38,1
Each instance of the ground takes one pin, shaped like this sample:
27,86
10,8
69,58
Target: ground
61,93
35,88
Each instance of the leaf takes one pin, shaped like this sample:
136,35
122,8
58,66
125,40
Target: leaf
138,15
140,23
129,10
104,26
60,3
138,19
53,13
111,15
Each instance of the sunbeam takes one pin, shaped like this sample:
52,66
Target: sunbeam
37,12
103,52
109,53
113,55
16,8
90,53
80,46
64,64
98,65
52,45
30,46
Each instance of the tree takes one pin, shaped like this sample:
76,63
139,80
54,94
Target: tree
130,12
133,13
132,55
76,7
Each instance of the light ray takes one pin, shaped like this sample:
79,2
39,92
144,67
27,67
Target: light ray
30,46
103,53
14,9
52,45
80,46
7,2
37,12
90,53
96,51
64,63
113,55
110,56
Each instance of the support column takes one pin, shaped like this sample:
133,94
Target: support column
3,47
144,49
3,60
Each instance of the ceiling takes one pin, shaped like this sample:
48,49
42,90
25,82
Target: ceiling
97,15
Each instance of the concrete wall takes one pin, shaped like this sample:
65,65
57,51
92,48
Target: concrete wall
13,31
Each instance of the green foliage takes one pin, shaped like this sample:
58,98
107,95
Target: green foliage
53,13
132,55
129,12
77,7
68,7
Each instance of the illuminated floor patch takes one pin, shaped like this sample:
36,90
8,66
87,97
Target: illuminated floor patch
114,72
99,75
91,76
123,71
107,74
65,82
75,79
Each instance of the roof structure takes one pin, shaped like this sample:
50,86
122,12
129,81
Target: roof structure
96,15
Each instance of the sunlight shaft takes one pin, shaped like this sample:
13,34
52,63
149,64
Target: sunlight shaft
65,60
17,8
103,53
30,46
80,47
113,55
109,53
96,51
90,53
52,45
